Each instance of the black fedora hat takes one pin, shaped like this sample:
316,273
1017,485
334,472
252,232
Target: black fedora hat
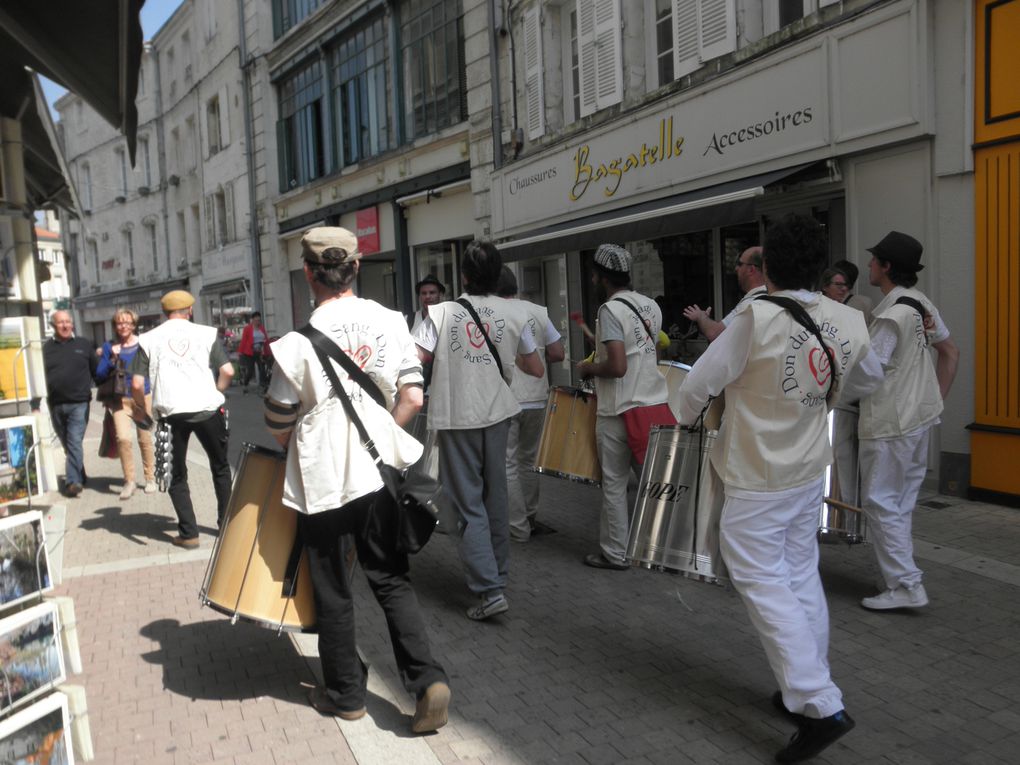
900,249
429,279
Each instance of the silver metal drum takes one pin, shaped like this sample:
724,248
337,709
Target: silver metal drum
839,520
676,519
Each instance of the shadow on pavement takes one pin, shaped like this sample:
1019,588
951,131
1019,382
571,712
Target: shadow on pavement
240,661
135,527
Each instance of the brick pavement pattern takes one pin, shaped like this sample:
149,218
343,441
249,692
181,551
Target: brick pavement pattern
587,667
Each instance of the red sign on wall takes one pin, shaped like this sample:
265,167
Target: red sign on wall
367,223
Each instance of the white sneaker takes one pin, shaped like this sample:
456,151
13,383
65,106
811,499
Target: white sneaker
487,608
151,487
901,597
128,490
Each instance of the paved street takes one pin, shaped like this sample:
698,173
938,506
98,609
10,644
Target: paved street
587,667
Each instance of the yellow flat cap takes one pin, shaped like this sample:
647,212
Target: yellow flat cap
177,300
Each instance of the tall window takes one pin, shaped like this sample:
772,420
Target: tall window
300,131
288,13
175,149
212,125
93,255
435,84
150,241
182,236
128,247
85,178
171,74
191,147
143,157
359,71
664,41
781,13
122,164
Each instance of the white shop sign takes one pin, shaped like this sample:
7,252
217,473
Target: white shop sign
229,263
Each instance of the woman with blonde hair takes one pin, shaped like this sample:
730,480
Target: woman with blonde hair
115,394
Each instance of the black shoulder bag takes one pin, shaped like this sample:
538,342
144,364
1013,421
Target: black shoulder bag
415,493
481,328
802,318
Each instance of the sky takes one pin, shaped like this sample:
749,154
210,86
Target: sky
154,14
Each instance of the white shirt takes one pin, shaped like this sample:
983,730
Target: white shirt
750,295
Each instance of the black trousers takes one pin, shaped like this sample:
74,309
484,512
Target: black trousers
212,434
327,538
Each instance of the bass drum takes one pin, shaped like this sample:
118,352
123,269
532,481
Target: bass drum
675,374
567,449
251,559
680,498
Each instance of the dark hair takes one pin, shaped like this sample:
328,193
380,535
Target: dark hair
481,265
898,276
615,278
795,251
336,277
849,270
256,313
831,273
507,285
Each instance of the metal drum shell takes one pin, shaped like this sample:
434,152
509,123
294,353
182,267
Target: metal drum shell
568,447
244,579
668,532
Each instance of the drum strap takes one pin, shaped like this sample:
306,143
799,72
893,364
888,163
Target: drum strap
481,328
635,310
917,305
805,320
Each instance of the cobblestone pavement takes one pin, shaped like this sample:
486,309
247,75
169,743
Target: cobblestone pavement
587,666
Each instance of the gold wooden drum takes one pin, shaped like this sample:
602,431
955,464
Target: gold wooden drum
675,374
246,573
567,449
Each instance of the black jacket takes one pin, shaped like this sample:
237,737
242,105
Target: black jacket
70,369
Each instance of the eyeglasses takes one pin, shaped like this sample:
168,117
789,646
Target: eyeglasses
125,324
749,265
842,285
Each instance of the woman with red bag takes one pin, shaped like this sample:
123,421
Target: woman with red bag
114,392
251,353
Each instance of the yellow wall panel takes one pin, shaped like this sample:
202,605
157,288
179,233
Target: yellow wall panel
997,90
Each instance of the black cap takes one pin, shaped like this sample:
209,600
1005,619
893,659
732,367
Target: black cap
429,279
900,249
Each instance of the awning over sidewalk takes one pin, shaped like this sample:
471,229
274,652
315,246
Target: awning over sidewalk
713,206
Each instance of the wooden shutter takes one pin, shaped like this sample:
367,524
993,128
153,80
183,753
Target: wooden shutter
586,56
608,53
224,112
685,35
534,89
210,222
717,26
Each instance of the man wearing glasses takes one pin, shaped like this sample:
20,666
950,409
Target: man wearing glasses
752,283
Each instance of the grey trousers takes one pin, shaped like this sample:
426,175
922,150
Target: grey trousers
522,482
472,467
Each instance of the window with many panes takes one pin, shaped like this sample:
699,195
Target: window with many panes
152,244
300,135
360,96
435,85
289,13
663,41
781,13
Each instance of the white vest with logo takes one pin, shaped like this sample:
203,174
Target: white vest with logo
775,427
182,382
526,388
466,390
641,385
909,397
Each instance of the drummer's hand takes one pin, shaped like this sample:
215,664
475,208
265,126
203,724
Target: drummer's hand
695,313
584,369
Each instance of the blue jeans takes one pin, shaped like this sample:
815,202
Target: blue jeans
69,420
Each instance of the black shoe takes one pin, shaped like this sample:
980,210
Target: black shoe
73,489
813,736
777,702
538,528
598,560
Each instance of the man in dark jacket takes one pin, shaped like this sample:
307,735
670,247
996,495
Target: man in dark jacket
70,365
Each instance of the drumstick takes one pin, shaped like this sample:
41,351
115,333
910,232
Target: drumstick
578,319
842,505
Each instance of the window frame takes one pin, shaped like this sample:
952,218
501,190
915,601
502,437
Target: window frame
302,109
355,65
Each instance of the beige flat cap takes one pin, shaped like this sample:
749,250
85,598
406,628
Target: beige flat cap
340,244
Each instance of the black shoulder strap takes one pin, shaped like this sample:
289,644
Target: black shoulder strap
914,303
481,328
802,318
326,347
635,310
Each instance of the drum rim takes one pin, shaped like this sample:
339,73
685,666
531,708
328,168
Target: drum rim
568,476
669,363
265,623
250,447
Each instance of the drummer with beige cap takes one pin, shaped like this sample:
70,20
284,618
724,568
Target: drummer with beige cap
181,358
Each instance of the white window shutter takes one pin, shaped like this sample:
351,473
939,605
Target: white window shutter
608,53
210,223
228,204
534,89
224,118
717,25
586,56
685,34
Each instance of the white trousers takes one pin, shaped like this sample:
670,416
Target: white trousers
522,481
615,459
892,470
769,543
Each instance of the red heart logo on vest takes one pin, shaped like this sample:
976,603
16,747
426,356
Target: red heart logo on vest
179,345
818,360
475,335
360,356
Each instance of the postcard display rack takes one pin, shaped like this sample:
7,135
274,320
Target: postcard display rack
41,718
